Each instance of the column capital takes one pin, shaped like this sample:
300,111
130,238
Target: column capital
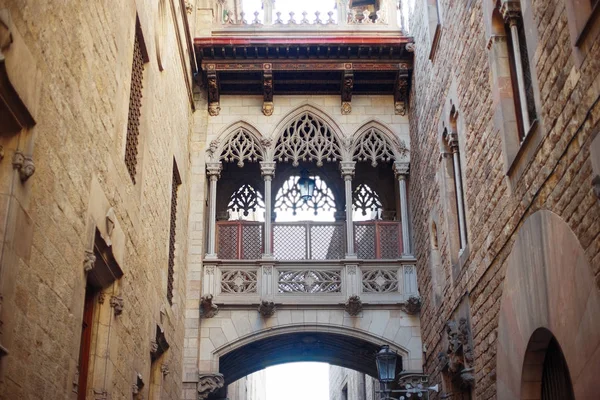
214,169
347,168
511,11
452,140
267,168
401,169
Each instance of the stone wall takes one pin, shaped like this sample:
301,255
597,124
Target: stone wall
71,62
552,171
347,384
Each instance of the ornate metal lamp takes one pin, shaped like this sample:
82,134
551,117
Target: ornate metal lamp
412,383
306,186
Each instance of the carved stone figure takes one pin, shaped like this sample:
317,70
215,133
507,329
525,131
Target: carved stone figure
209,383
88,261
266,308
207,308
412,305
354,305
118,304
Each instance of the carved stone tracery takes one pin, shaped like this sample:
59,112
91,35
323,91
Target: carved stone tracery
245,200
241,147
308,138
288,197
365,199
373,146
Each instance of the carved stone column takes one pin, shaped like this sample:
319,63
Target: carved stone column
267,169
347,168
511,11
213,170
401,170
462,226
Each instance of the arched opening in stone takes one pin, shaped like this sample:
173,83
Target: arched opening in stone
545,371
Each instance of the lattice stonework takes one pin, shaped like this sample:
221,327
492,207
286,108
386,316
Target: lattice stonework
373,146
135,106
380,281
327,242
241,147
228,240
366,199
289,242
238,281
310,281
252,239
174,186
245,200
389,241
364,236
307,138
288,197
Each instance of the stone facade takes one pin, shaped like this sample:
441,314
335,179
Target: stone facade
250,387
347,384
552,170
71,64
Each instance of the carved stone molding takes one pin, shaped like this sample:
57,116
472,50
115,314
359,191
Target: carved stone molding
347,169
266,308
23,164
88,261
401,169
495,39
457,360
596,185
511,11
207,308
214,169
209,383
118,304
354,305
412,305
267,168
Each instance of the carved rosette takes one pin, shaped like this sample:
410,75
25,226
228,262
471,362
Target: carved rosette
354,305
209,383
207,308
266,308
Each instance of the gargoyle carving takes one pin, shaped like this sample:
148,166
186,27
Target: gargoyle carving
266,308
209,383
207,308
354,305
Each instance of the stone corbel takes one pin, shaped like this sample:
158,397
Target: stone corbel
88,261
268,106
209,383
117,303
354,305
208,309
457,361
401,169
214,105
23,164
412,306
266,308
401,93
347,86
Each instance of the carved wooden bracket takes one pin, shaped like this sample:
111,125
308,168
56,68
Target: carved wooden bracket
214,106
268,106
401,94
347,86
209,383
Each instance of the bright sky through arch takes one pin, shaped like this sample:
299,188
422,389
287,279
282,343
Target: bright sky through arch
298,381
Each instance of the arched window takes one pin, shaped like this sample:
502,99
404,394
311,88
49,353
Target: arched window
289,206
246,204
366,204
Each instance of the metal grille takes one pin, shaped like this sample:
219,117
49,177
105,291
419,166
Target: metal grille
174,186
289,242
364,236
238,281
310,281
556,382
135,105
327,242
380,281
228,242
252,239
389,241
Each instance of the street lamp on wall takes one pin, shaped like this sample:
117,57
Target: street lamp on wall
386,371
306,186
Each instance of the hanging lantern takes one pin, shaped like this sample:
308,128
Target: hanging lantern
306,186
386,364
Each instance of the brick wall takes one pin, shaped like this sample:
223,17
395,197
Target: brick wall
554,172
82,55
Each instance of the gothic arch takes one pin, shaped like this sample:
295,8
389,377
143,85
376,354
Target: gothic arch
239,142
335,147
374,142
549,284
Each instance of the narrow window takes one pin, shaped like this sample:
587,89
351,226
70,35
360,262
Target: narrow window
520,69
174,186
135,105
